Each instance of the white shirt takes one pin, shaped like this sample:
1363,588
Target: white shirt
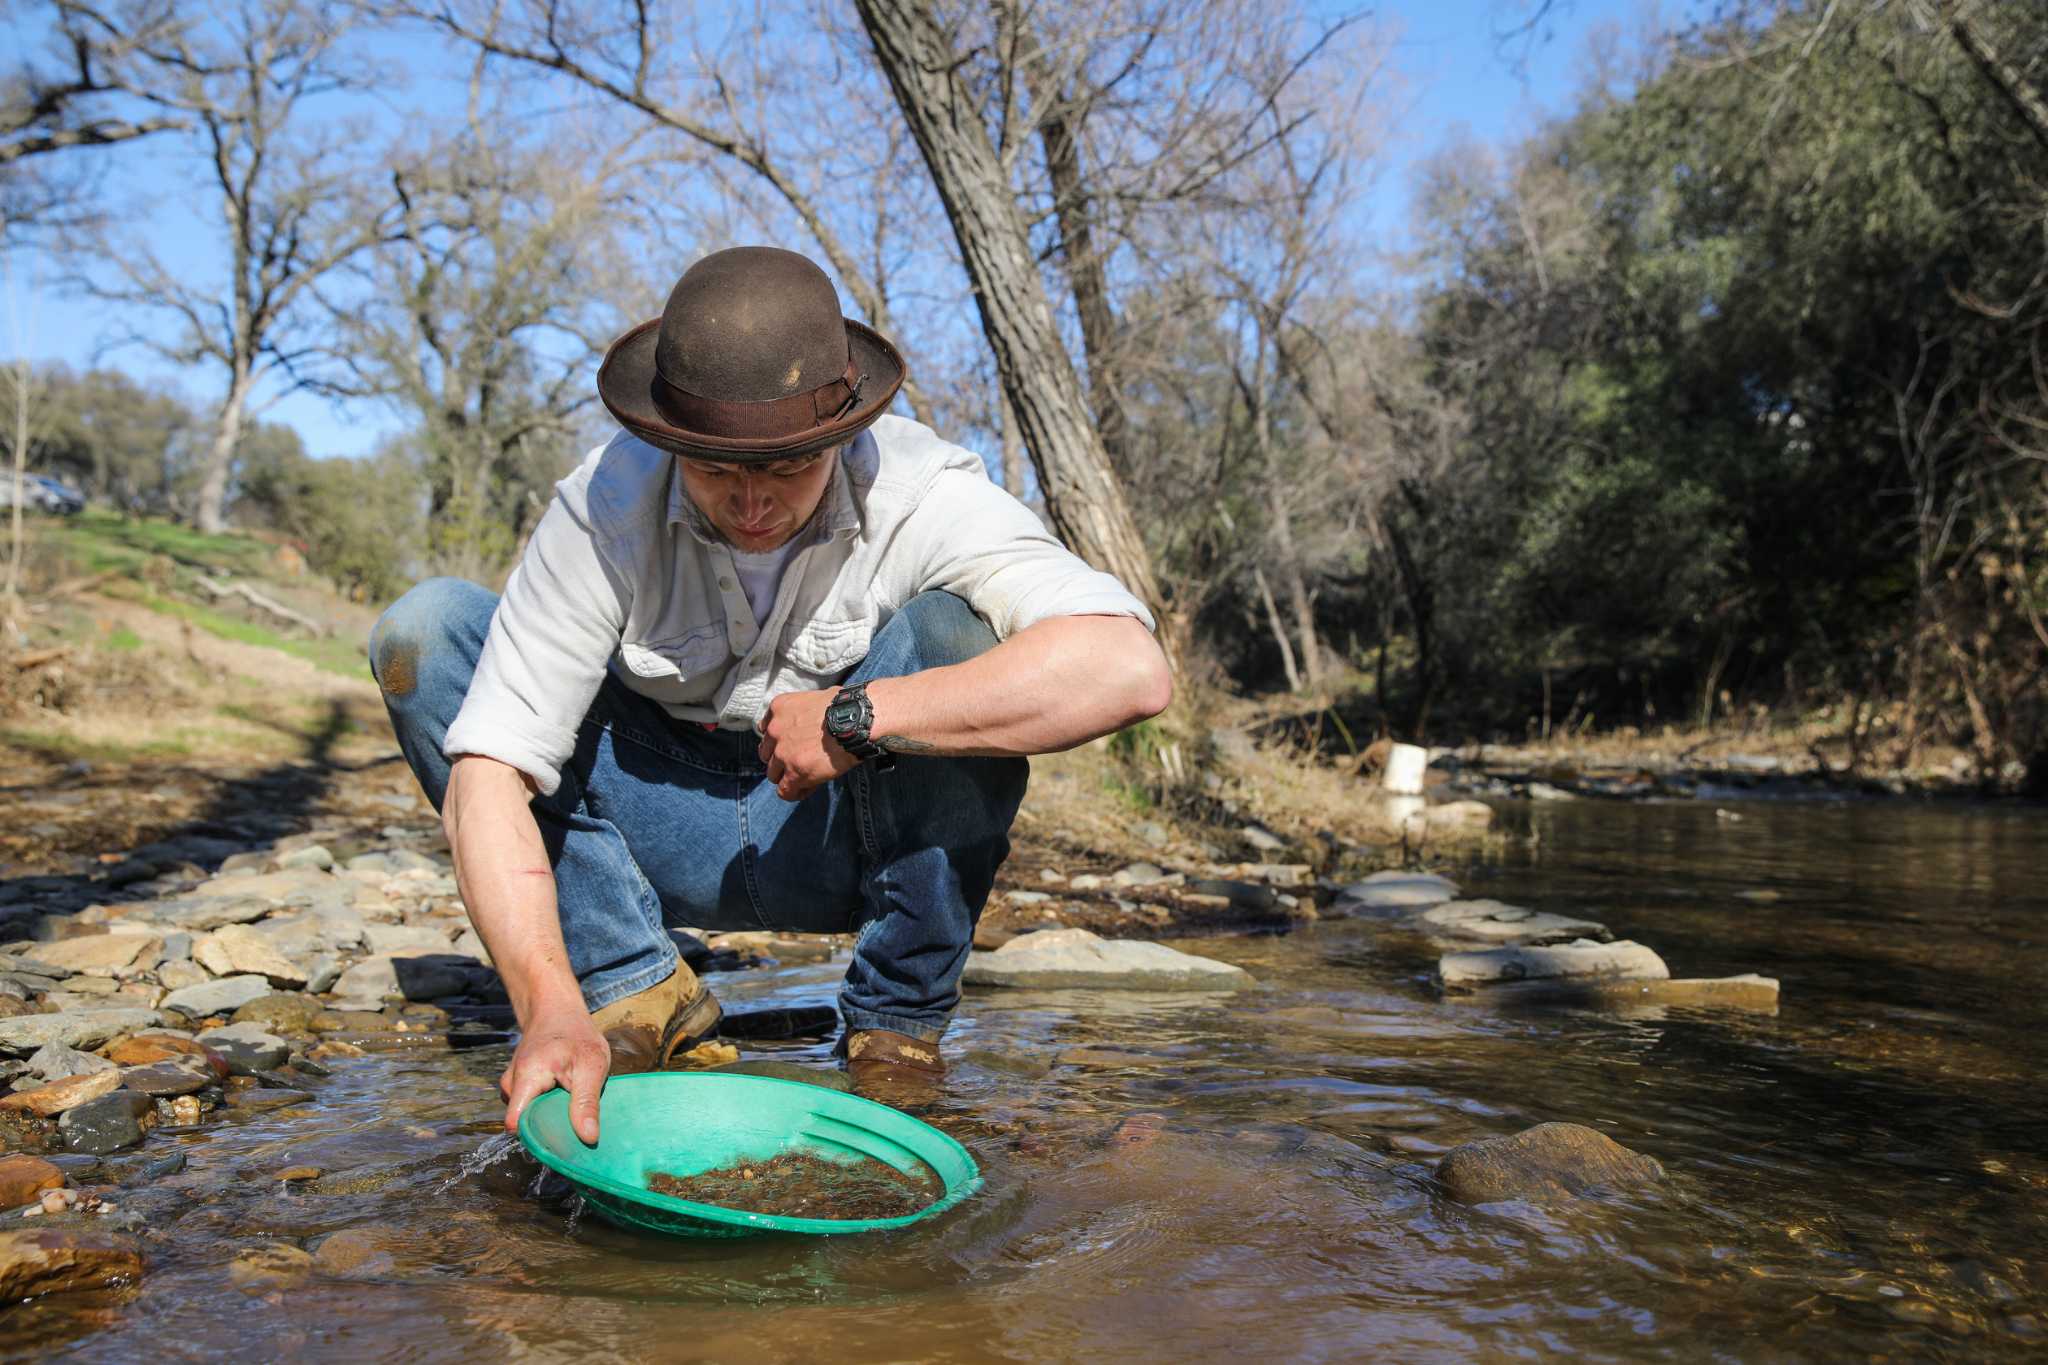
623,573
761,574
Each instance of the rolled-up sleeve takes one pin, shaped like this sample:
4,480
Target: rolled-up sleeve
978,542
555,631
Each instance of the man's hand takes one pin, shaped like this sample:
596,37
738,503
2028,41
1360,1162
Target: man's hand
800,756
563,1048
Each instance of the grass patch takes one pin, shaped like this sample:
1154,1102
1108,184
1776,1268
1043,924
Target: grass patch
97,540
333,656
123,640
66,748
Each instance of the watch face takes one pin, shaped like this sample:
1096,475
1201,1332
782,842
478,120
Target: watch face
842,717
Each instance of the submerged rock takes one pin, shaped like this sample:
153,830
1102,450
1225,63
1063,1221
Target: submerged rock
57,1260
1066,958
1580,958
787,1071
1758,994
1549,1161
270,1264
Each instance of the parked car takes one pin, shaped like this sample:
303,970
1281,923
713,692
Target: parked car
42,494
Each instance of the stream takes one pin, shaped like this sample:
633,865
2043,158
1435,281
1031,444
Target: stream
1862,1174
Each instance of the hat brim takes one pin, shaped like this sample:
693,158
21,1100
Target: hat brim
625,383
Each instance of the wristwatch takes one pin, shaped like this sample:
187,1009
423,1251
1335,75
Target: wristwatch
847,719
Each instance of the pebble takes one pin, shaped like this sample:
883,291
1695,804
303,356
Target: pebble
294,1173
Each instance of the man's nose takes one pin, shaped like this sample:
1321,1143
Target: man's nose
753,497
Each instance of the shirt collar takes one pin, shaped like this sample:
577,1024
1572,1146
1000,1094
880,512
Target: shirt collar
838,512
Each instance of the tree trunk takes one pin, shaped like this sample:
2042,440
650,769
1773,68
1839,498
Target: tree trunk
18,470
1087,280
1013,448
210,513
1083,496
2010,84
1279,628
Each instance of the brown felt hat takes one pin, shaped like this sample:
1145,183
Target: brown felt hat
749,362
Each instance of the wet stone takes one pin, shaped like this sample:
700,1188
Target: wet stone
58,1260
1547,1162
166,1165
799,1021
108,1123
272,1264
257,1101
350,1251
1056,959
59,1096
24,1178
1579,958
166,1079
227,994
828,1078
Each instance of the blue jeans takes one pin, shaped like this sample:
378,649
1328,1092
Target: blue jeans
659,821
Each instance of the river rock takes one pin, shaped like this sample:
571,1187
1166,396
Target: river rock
1063,958
271,1264
1750,992
1384,891
246,1048
145,1049
1463,816
24,1178
1244,895
312,855
1549,1161
55,1061
166,1080
56,1260
1581,957
175,976
1495,922
240,950
351,1251
224,996
96,954
58,1096
404,938
415,976
287,1012
109,1123
312,933
195,913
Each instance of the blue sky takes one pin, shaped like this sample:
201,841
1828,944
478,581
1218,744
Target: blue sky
1452,76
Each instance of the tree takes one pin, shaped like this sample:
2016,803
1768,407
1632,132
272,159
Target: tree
292,206
74,95
1083,496
481,318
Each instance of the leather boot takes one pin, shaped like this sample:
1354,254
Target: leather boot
646,1030
892,1067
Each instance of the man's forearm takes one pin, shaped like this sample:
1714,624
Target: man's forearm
508,884
1051,686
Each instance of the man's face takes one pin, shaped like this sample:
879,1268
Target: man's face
758,507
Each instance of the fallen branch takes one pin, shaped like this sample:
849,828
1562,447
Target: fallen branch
36,658
257,599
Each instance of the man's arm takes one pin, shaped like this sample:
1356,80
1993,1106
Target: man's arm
508,885
1051,686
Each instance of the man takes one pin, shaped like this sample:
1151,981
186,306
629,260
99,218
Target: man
772,659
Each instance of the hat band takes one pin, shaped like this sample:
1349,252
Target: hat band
791,415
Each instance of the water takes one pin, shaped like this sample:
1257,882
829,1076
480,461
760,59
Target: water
1861,1174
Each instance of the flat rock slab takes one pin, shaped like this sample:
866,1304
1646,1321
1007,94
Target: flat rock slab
1547,1162
56,1097
1384,891
224,996
1579,958
1496,922
54,1260
1059,959
240,950
1748,992
101,954
166,1080
73,1028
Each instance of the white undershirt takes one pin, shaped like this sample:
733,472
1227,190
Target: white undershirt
761,574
